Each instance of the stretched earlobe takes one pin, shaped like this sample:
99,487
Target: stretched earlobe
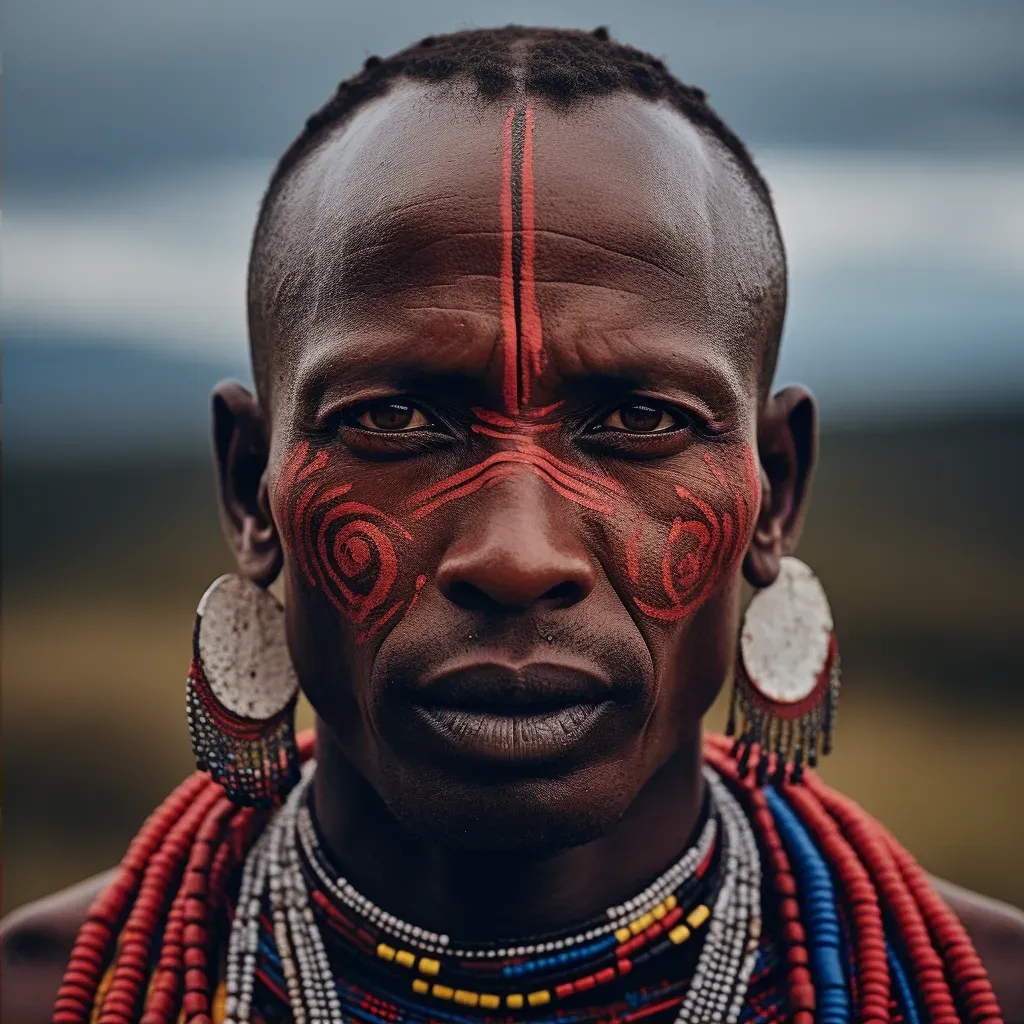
241,440
787,451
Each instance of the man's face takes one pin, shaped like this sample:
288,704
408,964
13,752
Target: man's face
512,466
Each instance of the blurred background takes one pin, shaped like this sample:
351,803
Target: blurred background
138,140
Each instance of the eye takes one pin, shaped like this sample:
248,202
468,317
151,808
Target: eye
641,418
391,416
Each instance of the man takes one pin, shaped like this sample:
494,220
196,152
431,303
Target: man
517,297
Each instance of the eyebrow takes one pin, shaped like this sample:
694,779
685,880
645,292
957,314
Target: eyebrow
684,364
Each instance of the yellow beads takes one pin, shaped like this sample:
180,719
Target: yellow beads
460,995
694,919
514,1002
644,922
698,916
539,998
404,958
637,926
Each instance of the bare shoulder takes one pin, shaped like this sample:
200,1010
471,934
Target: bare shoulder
35,943
997,931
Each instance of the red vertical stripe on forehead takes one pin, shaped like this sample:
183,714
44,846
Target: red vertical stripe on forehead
532,340
510,382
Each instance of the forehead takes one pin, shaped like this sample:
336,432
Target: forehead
640,219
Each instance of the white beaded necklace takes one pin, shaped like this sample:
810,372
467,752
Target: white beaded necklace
716,992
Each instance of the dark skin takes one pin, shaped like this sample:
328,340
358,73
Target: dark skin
519,746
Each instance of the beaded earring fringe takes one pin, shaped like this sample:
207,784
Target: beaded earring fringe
172,880
241,693
786,683
788,738
255,760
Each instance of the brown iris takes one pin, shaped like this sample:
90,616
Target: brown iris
391,415
638,418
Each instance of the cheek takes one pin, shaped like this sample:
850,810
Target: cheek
358,558
676,564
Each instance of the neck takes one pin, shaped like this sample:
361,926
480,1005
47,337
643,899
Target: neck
481,896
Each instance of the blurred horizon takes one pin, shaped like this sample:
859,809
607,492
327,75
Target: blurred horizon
138,141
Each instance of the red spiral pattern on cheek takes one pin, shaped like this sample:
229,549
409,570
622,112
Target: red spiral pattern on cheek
700,550
362,555
343,548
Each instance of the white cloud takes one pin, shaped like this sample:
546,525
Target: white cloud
160,265
903,247
840,211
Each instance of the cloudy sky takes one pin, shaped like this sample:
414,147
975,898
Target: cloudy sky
139,137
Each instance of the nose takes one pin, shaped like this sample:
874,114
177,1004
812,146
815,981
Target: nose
516,552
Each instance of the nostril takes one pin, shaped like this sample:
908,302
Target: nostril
466,595
563,594
502,594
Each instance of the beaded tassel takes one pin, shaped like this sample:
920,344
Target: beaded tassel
786,683
255,760
241,693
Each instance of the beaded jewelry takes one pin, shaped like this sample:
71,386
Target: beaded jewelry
656,914
786,684
149,947
241,693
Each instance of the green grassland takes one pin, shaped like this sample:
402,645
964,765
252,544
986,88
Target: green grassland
915,531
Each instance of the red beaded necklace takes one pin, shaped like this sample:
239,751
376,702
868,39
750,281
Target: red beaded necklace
172,882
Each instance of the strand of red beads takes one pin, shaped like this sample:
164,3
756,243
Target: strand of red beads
967,974
176,962
871,956
799,984
968,982
94,943
135,943
927,964
200,937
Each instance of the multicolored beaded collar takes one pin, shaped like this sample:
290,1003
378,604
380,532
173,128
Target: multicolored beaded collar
854,926
422,976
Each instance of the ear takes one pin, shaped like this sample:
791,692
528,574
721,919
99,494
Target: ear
787,442
241,440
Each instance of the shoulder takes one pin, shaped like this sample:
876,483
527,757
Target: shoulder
35,943
997,931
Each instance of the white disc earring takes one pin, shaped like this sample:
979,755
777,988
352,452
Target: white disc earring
241,693
786,684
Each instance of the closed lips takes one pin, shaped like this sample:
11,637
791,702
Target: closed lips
512,714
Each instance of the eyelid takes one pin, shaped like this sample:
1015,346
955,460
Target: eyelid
344,417
688,416
361,412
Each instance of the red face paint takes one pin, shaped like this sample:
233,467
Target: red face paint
347,549
343,548
704,543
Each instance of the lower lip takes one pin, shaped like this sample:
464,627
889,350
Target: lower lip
513,738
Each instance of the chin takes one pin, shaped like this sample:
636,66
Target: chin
494,813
